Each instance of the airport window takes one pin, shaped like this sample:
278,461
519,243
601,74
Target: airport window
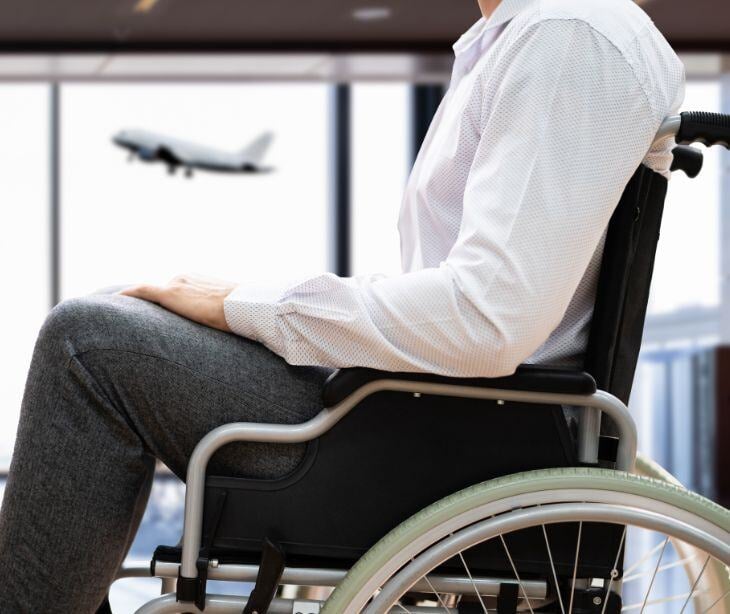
24,243
134,222
380,166
127,221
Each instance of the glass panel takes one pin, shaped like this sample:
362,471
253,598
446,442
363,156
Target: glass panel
380,166
127,223
24,246
687,267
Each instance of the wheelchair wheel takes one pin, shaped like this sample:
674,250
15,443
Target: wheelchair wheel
673,546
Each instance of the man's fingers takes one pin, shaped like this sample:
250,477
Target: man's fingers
144,291
198,299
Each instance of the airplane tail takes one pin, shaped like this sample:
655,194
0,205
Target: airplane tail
254,152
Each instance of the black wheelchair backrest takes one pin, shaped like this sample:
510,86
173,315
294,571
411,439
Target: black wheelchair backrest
623,286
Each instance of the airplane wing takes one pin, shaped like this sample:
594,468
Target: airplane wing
254,153
167,155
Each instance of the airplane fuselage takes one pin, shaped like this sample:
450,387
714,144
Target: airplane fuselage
152,147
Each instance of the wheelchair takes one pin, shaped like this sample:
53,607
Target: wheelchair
428,494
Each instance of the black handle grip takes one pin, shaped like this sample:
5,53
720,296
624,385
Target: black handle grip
706,128
687,159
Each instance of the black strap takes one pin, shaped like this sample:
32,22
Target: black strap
267,580
508,598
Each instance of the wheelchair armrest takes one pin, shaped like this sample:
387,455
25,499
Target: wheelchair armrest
533,378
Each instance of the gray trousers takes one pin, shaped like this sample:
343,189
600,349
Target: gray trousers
114,384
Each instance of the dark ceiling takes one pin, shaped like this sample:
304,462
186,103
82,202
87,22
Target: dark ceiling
306,25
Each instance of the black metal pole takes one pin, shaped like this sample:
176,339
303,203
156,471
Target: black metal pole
425,100
54,187
340,214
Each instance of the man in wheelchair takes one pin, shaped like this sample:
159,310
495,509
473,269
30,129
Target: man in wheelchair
528,236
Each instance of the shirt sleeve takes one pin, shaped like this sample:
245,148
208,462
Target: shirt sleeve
561,133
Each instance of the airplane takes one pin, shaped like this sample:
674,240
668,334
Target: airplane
151,147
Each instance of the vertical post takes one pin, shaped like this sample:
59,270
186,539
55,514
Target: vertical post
589,434
54,188
425,100
340,204
724,213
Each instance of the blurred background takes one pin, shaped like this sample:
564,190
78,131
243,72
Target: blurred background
348,88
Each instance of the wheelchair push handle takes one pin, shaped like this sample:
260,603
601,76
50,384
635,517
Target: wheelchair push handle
706,128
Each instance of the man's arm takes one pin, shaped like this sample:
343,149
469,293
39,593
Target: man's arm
568,125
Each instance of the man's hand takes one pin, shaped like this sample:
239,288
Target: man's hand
196,298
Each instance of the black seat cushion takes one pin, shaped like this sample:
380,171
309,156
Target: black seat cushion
536,378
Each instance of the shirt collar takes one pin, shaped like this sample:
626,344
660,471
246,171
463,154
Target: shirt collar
502,14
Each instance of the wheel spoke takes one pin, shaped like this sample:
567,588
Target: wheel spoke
552,566
471,579
694,585
438,596
575,567
642,560
653,576
719,599
642,605
614,571
644,574
517,576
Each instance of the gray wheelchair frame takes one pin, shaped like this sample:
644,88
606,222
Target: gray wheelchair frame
588,436
593,406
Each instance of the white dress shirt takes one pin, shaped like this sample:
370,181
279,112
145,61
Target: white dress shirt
552,106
